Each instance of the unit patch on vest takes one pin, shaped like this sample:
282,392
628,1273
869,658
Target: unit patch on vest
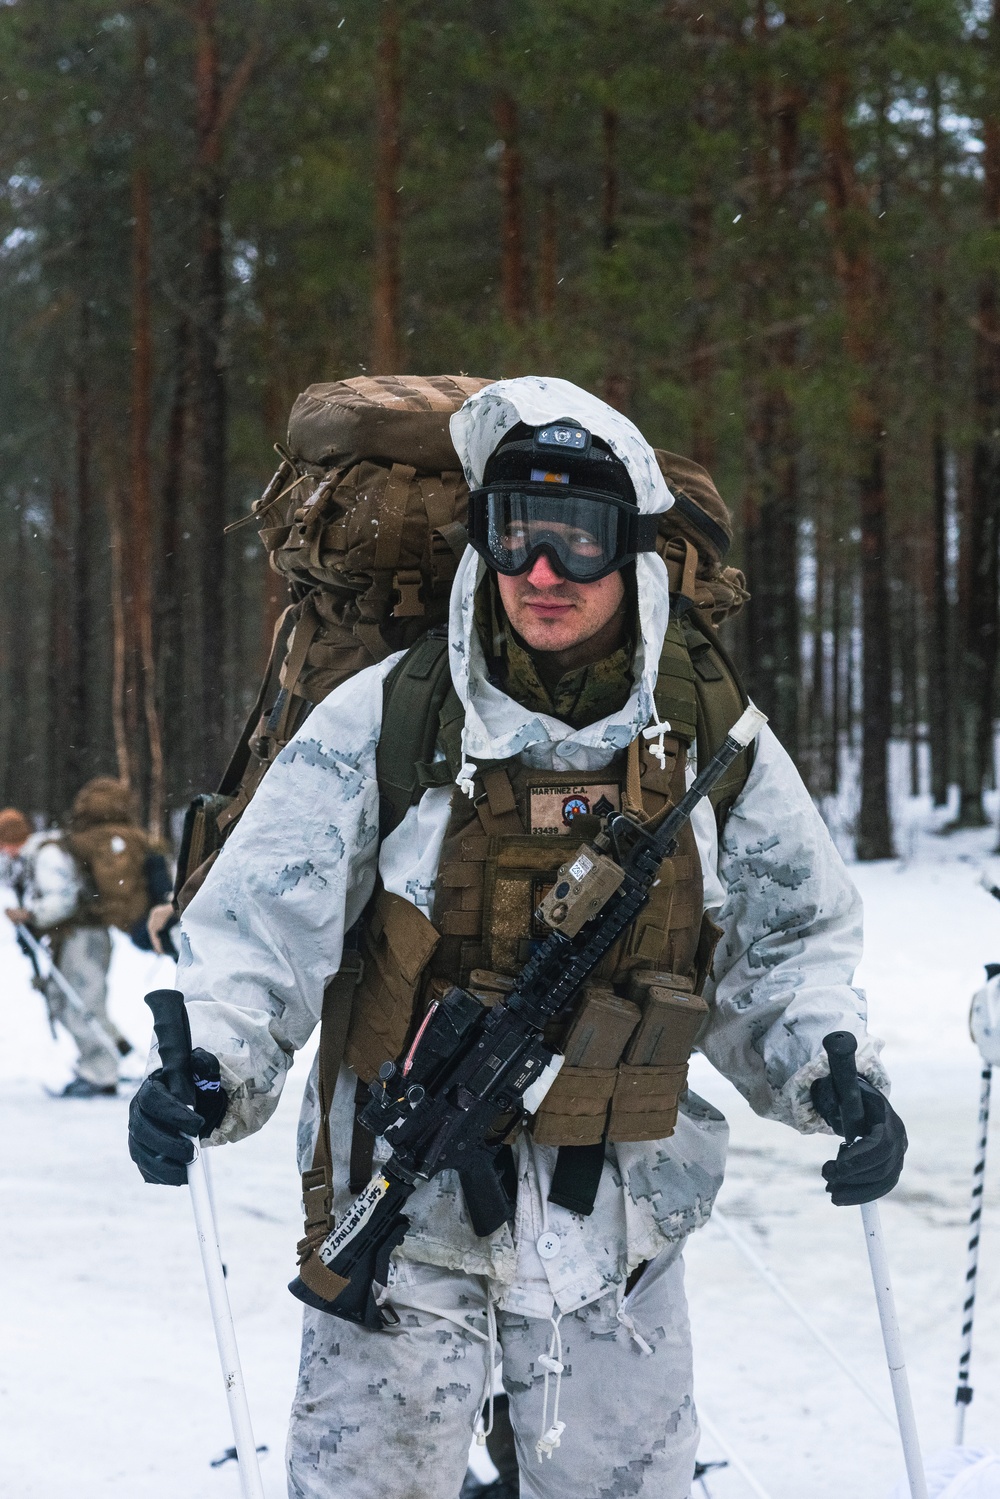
554,809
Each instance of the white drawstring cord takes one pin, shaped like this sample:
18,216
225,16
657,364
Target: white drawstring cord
655,734
409,1304
466,771
552,1363
481,1429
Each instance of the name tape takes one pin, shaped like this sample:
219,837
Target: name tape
354,1219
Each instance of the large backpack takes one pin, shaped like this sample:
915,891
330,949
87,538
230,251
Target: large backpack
365,518
105,838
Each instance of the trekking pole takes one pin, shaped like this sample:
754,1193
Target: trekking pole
33,951
963,1394
173,1036
840,1048
984,1024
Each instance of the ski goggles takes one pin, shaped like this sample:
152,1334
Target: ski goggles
585,536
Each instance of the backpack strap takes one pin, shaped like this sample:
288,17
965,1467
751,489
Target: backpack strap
419,706
317,1182
237,767
276,730
675,695
700,694
721,698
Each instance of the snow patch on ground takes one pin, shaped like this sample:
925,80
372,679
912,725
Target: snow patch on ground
789,1412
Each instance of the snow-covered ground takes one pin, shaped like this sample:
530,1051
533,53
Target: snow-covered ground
789,1412
109,1383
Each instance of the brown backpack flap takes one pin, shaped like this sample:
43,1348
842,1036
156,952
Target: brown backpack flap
395,418
374,532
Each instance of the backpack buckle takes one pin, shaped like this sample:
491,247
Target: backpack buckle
406,583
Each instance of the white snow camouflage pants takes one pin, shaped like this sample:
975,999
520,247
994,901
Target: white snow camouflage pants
391,1413
83,957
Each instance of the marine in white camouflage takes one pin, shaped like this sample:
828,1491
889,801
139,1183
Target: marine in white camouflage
550,1299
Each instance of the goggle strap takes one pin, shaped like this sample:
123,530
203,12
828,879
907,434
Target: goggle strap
646,529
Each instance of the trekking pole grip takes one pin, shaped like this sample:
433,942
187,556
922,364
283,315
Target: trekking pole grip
840,1047
173,1037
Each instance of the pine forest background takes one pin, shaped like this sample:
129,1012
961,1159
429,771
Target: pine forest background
769,234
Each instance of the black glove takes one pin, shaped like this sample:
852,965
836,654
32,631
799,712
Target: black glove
159,1127
870,1167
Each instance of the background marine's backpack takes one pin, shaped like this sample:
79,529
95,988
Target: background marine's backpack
104,836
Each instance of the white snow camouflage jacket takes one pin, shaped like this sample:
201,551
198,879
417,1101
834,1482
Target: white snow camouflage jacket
264,934
53,884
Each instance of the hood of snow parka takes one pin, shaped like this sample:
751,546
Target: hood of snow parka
497,727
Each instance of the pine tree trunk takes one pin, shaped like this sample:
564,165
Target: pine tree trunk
274,586
609,178
210,401
548,255
772,562
140,511
702,360
703,26
81,759
908,631
939,654
15,606
386,357
179,710
59,657
837,715
849,218
119,639
980,653
773,627
815,707
512,300
874,833
616,386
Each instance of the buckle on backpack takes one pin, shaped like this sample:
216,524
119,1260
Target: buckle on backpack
406,583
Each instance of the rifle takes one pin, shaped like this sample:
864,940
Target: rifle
471,1073
33,950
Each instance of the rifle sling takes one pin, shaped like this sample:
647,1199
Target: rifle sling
362,1143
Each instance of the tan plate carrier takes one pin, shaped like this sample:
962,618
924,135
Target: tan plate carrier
629,1038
